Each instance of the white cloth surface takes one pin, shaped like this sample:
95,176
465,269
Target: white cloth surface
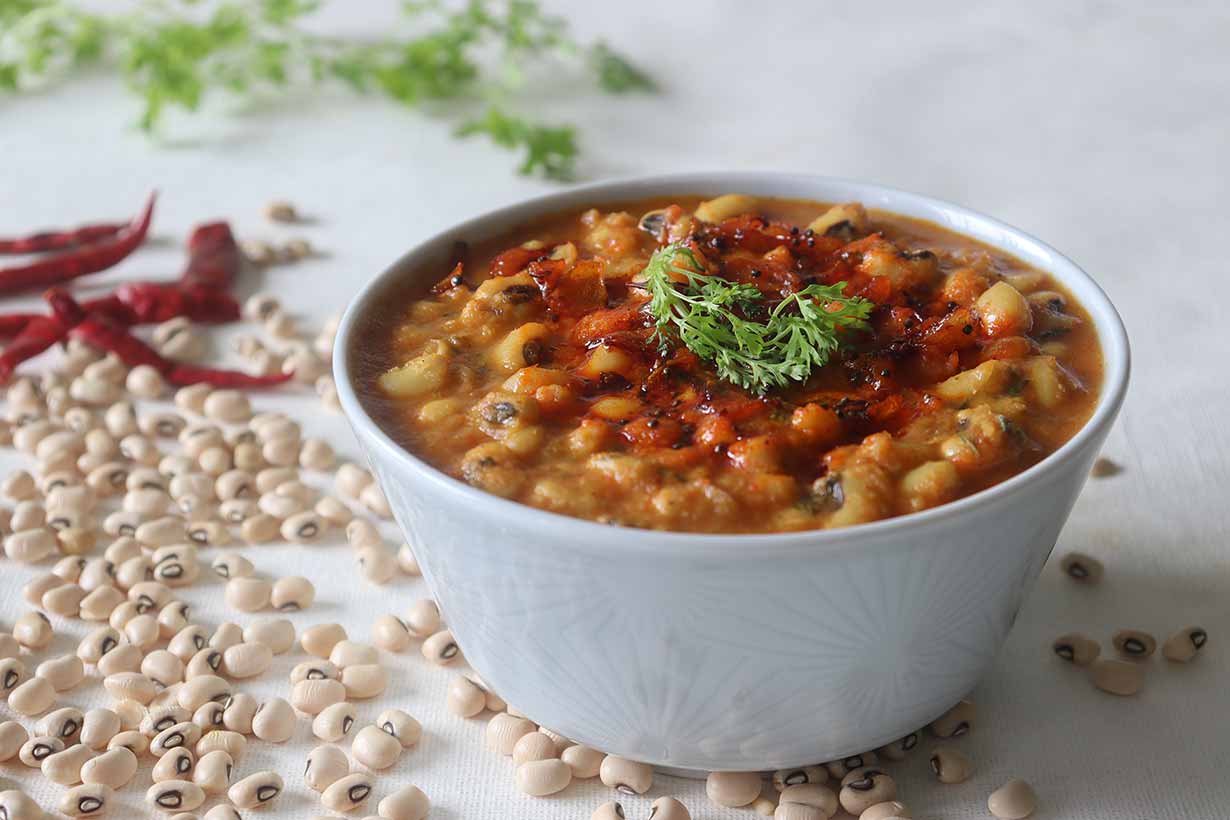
1100,127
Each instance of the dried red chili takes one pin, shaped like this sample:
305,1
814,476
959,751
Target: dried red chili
45,241
81,261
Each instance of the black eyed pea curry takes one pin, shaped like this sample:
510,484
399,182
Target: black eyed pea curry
736,364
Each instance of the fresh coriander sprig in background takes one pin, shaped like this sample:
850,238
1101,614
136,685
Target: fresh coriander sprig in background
708,315
177,53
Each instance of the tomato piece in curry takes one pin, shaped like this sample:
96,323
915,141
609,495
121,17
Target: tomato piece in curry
533,370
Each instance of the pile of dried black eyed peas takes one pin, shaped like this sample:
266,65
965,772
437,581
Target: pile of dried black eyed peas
160,486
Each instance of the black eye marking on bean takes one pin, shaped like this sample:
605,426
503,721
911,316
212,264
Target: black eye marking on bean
359,792
935,764
170,800
10,679
1134,646
183,765
265,793
347,722
909,741
795,778
1078,570
89,804
1199,638
1065,651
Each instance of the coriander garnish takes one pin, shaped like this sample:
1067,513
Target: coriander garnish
708,314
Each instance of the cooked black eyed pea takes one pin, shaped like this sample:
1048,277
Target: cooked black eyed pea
64,723
37,749
175,795
88,800
956,722
274,721
838,769
213,772
113,768
863,788
733,789
540,778
806,801
334,722
950,766
292,594
400,725
375,749
347,793
1116,677
64,767
899,749
1185,644
181,735
794,777
1084,569
441,649
176,764
325,766
608,811
255,790
1134,644
623,775
1076,648
408,803
1014,800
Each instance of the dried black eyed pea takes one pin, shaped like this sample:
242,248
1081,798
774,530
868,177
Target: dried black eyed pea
207,661
401,725
209,716
246,660
226,635
408,803
113,768
375,748
320,640
956,722
534,746
441,649
314,670
1076,648
888,810
64,767
352,653
12,675
160,718
255,790
37,749
1134,644
33,630
838,769
181,735
668,808
899,749
423,618
1084,569
175,795
347,793
64,723
623,775
818,798
32,697
86,801
200,690
794,777
63,673
584,761
232,565
540,778
325,766
176,764
274,721
12,736
608,811
465,698
238,711
233,743
390,633
950,766
313,696
1185,644
303,527
334,722
1116,677
863,788
504,730
364,680
248,594
1015,800
733,789
276,633
134,741
17,805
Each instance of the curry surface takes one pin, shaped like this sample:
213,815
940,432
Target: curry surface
530,370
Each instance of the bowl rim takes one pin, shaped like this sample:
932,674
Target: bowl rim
1111,334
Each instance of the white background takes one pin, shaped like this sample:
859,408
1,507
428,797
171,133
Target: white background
1100,127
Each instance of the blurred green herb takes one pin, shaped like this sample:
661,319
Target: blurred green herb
178,53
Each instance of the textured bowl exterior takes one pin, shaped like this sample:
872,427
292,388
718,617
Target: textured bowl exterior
735,652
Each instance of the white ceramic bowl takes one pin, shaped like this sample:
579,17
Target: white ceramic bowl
733,652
